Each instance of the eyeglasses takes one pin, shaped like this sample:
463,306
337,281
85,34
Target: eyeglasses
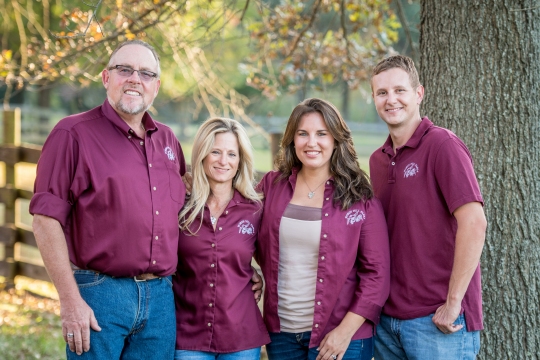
126,71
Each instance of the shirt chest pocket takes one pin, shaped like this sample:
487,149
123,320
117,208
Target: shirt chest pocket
176,185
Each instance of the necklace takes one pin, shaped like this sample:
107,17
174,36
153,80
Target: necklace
312,192
213,219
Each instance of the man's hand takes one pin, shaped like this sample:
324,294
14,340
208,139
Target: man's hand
77,319
257,286
445,316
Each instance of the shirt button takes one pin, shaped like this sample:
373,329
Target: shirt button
226,212
154,188
129,136
393,163
154,262
322,257
142,143
327,199
328,183
211,285
149,165
326,214
157,213
209,324
157,237
210,305
213,245
220,228
212,265
318,303
320,280
316,325
131,131
324,236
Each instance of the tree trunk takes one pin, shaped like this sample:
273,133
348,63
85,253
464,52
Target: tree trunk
480,65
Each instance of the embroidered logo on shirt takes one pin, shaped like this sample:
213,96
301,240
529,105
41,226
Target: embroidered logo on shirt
169,153
355,216
410,170
245,227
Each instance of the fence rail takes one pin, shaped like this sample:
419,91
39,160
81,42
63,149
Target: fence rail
18,252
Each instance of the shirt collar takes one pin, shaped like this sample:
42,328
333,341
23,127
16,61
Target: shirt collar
111,114
413,142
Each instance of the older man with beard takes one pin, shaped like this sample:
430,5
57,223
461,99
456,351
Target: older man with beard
107,196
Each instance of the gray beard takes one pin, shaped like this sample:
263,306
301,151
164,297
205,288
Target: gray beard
133,110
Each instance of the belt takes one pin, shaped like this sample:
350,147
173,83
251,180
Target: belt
142,277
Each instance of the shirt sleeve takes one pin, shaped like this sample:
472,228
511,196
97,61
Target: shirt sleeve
455,175
373,265
59,179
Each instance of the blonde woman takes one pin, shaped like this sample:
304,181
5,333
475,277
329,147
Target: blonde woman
216,315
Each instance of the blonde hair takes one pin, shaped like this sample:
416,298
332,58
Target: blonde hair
243,181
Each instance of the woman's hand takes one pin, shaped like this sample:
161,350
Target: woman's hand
334,345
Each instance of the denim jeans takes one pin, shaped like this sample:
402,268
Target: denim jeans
289,346
250,354
419,338
137,318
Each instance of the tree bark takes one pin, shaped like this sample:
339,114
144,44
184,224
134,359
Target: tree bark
480,65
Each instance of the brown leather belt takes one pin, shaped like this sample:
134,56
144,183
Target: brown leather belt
142,277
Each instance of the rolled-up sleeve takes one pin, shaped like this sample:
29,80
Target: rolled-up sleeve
59,178
374,265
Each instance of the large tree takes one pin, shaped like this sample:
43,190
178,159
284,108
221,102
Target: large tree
481,70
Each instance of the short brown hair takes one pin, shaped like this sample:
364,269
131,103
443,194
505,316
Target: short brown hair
404,63
351,183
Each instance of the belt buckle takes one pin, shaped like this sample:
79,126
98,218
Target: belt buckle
138,280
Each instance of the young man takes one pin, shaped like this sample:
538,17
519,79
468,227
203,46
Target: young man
107,196
424,177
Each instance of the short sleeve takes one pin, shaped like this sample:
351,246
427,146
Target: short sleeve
455,176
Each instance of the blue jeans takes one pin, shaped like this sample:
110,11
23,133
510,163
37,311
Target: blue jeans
137,318
289,346
250,354
419,338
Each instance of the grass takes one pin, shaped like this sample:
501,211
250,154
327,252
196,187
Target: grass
30,326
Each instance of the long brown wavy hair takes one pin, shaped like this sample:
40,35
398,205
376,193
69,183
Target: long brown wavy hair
351,183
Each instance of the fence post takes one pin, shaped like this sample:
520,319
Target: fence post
12,136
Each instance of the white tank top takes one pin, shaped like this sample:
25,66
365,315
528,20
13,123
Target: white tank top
299,238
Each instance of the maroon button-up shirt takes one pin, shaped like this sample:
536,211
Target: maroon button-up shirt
117,196
420,186
215,308
353,272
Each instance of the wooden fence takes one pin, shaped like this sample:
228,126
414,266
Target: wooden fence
18,252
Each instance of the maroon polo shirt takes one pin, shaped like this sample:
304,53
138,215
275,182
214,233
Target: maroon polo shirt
420,186
353,272
117,196
215,308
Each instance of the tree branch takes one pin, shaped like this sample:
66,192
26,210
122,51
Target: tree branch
406,28
311,20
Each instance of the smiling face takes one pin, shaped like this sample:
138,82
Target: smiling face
396,101
131,96
313,142
221,164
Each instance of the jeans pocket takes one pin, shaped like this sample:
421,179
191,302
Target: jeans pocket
88,278
168,279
